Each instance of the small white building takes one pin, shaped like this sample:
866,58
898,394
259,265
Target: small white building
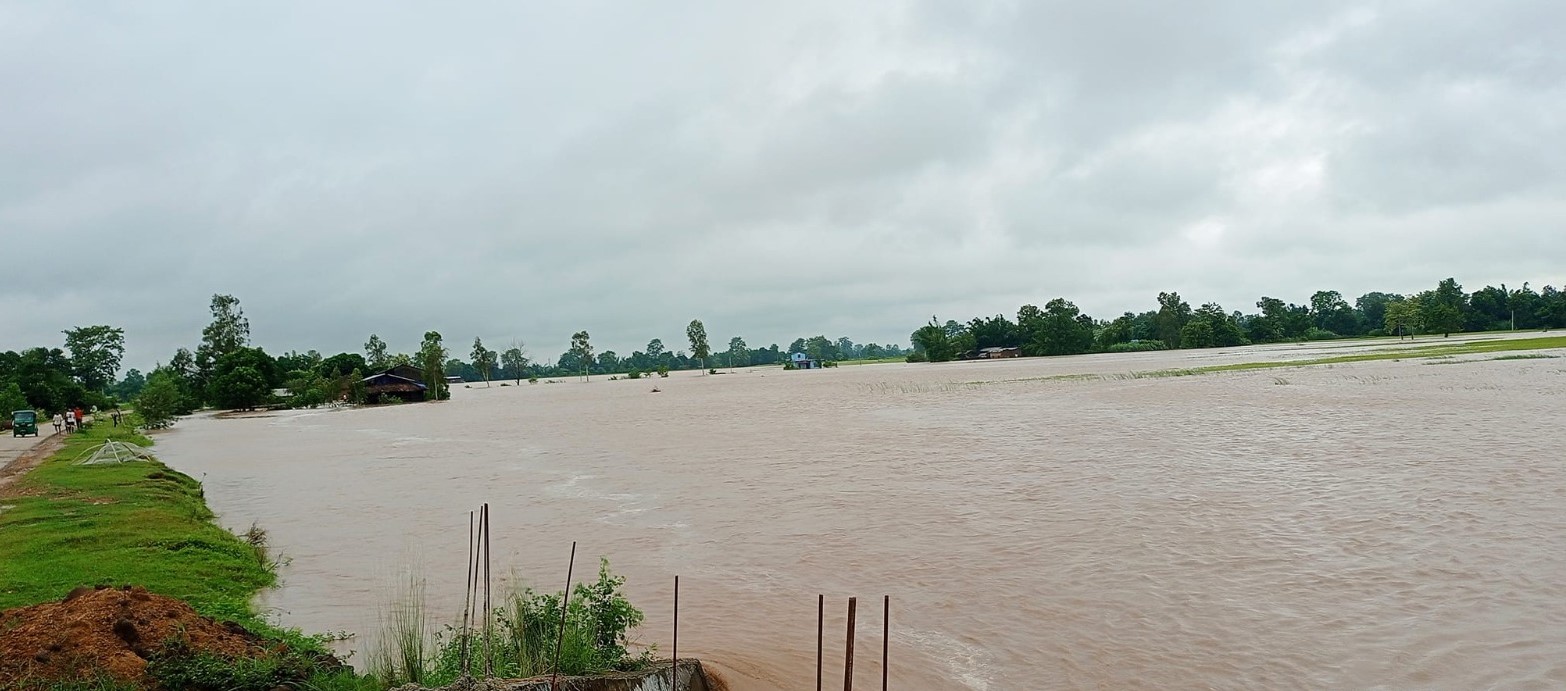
803,361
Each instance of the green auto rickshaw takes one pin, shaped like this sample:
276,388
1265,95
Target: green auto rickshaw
23,423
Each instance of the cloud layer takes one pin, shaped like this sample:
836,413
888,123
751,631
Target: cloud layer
520,171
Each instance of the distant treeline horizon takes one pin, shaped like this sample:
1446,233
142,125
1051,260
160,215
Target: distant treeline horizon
1060,328
226,370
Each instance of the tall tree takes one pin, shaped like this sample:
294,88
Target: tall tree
1331,312
1211,327
483,359
1442,309
375,353
932,342
739,353
514,361
1061,329
697,333
582,350
1373,307
432,359
1401,316
95,354
1173,313
161,399
243,379
229,330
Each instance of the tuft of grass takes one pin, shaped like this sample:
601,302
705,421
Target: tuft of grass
402,656
1526,356
518,640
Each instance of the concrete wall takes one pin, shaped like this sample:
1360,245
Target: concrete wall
689,677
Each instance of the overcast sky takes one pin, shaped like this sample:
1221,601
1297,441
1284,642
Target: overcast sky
524,170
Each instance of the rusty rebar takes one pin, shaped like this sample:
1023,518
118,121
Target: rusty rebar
489,658
674,669
467,594
565,599
886,634
820,624
848,651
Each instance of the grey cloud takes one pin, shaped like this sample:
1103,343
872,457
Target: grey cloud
523,171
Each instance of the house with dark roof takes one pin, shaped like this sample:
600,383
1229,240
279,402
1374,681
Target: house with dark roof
403,381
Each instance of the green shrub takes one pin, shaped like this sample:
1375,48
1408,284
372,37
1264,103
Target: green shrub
521,640
789,364
663,371
634,374
1135,346
1315,334
916,356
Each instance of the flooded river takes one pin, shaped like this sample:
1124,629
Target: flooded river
1370,525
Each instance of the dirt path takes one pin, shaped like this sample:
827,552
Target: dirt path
22,456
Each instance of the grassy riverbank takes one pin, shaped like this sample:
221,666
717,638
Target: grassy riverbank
65,525
68,525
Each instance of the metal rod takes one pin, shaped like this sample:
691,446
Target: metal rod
886,634
473,597
560,639
674,669
848,652
820,623
489,659
467,594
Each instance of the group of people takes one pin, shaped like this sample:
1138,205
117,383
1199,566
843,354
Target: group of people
70,420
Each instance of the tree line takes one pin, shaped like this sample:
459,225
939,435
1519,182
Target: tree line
226,371
52,379
1060,328
581,359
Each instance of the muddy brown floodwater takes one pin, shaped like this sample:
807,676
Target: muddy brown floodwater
1371,525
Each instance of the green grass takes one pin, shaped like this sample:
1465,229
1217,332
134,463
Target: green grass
66,525
1435,350
874,361
127,523
1432,353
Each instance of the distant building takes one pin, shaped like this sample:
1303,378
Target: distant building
403,381
997,353
455,379
803,361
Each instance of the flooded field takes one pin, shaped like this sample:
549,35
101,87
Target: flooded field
1387,524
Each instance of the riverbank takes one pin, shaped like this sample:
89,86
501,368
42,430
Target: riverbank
116,577
66,528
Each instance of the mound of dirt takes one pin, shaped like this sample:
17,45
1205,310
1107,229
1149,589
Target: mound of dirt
111,631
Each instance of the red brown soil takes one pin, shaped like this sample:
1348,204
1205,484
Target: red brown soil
110,631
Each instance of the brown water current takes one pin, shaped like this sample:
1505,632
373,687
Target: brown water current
1370,525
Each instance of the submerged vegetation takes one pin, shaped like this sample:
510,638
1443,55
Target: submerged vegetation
519,641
